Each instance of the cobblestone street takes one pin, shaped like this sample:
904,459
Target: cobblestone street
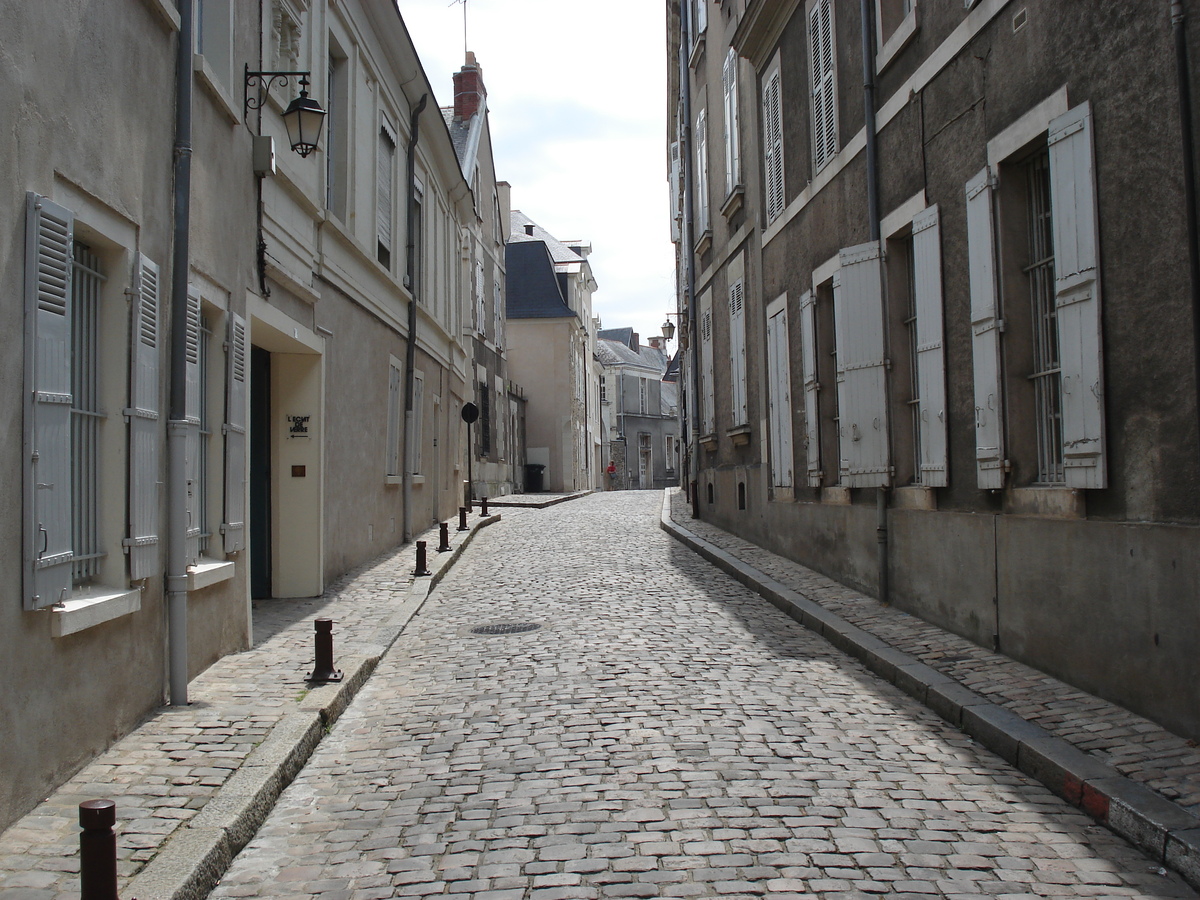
647,727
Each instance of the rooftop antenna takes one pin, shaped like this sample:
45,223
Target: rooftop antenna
464,6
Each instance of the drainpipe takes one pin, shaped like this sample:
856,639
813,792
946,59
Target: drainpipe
868,52
1183,81
410,355
689,262
176,586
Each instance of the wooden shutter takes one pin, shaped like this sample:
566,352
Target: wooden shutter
702,169
985,333
779,399
193,397
773,144
418,421
824,83
145,433
862,385
676,195
47,470
732,144
706,362
236,417
812,388
737,353
1077,296
930,362
386,164
395,409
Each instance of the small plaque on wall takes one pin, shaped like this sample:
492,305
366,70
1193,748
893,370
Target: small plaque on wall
299,471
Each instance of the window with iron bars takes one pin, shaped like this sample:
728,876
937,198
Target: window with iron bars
1045,379
86,414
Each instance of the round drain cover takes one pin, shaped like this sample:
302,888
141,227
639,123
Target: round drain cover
505,628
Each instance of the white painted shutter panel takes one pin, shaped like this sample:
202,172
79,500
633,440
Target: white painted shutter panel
395,410
702,169
779,397
236,417
824,84
192,399
383,186
931,360
706,361
47,470
773,145
1077,296
737,352
985,333
732,144
862,397
812,407
418,420
676,195
145,433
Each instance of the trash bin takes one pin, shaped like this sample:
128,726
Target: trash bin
534,473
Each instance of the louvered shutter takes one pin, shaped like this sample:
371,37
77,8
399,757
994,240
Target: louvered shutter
706,361
985,333
386,163
395,406
47,470
418,422
193,397
676,195
773,145
145,434
862,396
732,143
1077,296
702,169
930,362
236,417
480,311
812,388
779,400
824,83
737,353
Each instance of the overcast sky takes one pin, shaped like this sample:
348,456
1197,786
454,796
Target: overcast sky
577,97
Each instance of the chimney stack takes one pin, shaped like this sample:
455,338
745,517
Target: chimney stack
469,92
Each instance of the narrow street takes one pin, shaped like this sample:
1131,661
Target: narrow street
658,731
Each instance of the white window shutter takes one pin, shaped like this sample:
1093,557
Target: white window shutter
702,214
1077,296
985,333
812,388
418,420
773,144
779,400
386,164
862,394
145,433
676,194
395,411
737,353
931,354
236,418
706,361
480,311
824,83
192,399
47,471
732,143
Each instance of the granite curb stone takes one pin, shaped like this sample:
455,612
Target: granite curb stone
1159,827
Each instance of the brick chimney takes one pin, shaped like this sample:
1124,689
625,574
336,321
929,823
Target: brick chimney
468,89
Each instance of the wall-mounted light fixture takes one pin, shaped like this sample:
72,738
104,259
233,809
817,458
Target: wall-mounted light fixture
304,116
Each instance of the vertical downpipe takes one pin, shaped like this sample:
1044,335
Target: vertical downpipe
868,52
410,355
177,639
685,158
1183,81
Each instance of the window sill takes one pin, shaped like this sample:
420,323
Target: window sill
708,441
782,494
1046,502
418,480
394,479
209,572
734,202
91,608
914,496
212,83
704,243
836,495
897,41
697,50
740,435
167,14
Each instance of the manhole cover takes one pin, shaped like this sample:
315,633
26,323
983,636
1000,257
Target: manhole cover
505,628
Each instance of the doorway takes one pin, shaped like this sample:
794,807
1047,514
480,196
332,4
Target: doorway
260,473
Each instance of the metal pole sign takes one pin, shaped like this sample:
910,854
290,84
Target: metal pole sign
470,412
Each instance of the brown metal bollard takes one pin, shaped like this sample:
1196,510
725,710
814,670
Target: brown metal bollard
483,506
422,560
462,519
97,850
324,670
444,537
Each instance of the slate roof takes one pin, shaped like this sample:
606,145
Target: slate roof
559,251
532,287
617,353
624,335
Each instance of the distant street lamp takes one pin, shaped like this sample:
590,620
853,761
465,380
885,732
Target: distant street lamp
304,116
668,329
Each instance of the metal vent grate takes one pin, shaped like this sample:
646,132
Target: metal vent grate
506,628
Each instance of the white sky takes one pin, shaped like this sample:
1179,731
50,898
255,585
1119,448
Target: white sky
577,102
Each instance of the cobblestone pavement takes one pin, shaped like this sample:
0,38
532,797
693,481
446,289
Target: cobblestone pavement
663,732
1134,746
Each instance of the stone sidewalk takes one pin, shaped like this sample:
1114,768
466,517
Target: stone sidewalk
193,783
1126,771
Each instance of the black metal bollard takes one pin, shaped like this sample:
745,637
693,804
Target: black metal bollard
483,506
444,536
323,670
422,560
97,850
462,519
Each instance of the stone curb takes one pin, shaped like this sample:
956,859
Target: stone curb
544,505
198,854
1163,830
